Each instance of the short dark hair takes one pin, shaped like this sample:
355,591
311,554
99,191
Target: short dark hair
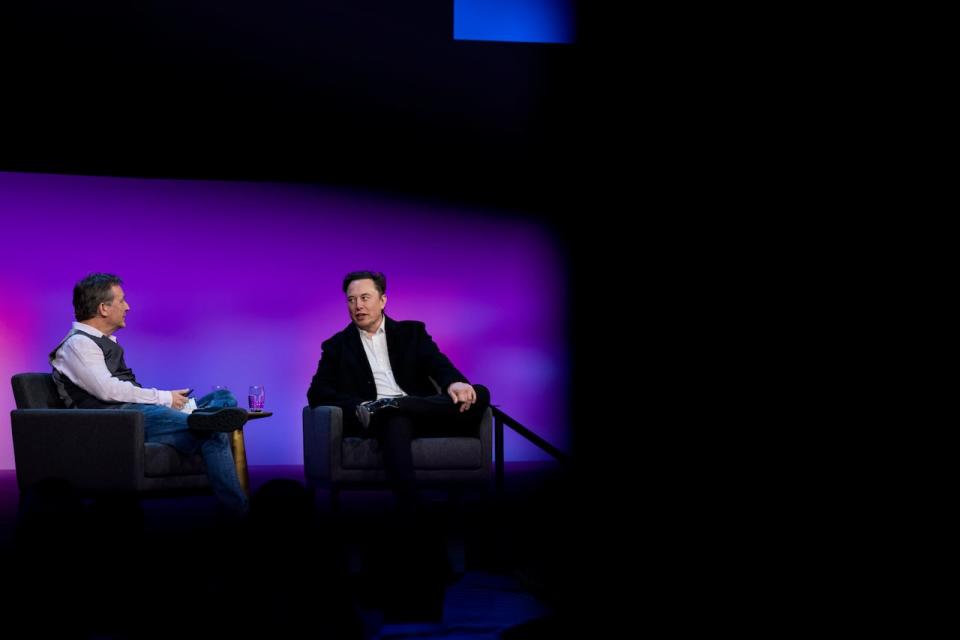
379,280
90,292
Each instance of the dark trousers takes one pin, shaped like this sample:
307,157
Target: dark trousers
436,415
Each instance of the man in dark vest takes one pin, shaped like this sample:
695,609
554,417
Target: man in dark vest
90,373
379,370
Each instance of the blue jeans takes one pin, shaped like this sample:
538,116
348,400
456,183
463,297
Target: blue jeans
164,425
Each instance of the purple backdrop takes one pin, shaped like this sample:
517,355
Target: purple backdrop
239,283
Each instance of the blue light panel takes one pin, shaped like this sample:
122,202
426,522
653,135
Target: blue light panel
514,20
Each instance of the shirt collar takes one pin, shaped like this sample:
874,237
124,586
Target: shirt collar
382,331
96,333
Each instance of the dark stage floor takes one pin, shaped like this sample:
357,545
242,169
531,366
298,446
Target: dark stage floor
171,567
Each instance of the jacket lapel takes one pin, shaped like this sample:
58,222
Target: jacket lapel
393,345
356,350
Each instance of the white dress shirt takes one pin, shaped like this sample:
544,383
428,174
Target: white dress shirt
375,347
81,360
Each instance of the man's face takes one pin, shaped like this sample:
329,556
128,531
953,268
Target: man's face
365,304
116,310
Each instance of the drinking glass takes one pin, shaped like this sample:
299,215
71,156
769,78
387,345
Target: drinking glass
255,397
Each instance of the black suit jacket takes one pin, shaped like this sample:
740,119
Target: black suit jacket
344,377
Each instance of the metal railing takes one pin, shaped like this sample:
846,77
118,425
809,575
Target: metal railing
499,420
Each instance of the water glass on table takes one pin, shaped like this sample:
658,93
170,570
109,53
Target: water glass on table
255,397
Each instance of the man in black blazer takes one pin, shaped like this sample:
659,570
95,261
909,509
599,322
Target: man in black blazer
379,371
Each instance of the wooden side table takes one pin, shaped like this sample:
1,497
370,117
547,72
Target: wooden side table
240,451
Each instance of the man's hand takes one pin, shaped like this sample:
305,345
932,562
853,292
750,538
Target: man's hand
463,393
179,398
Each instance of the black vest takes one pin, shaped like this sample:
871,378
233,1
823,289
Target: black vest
75,397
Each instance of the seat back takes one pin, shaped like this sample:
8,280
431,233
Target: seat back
36,391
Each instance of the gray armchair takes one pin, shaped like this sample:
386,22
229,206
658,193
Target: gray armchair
332,461
96,450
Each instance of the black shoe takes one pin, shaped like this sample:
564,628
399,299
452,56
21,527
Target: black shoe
226,419
365,410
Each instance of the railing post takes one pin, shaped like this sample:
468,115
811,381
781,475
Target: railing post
499,420
498,454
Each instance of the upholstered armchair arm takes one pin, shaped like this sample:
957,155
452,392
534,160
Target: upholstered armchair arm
94,448
322,435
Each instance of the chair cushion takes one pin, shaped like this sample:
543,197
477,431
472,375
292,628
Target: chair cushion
163,460
428,453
